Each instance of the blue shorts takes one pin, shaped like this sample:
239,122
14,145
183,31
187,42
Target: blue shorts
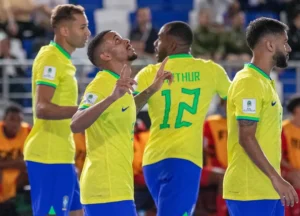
174,185
255,208
53,186
120,208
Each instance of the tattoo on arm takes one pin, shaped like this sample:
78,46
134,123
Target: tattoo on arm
246,123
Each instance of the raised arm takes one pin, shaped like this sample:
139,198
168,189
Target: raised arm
90,110
161,75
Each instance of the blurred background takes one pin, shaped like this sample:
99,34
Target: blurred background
219,34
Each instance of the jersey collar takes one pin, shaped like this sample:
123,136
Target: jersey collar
181,55
112,73
257,69
62,50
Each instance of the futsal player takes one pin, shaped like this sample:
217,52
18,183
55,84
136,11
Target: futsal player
49,149
172,159
252,183
107,113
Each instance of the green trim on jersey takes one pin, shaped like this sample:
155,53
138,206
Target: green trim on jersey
257,69
112,73
46,83
84,107
62,50
247,118
183,55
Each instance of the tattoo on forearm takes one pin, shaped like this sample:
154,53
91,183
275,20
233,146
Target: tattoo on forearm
141,99
245,123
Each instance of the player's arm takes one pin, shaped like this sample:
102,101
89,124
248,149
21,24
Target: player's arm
49,73
247,114
45,109
90,110
13,164
161,75
222,81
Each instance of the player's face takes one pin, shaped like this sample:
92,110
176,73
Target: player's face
79,32
12,123
120,48
161,45
283,49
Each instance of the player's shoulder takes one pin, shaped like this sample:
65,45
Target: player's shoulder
245,77
25,125
47,54
287,123
213,118
149,70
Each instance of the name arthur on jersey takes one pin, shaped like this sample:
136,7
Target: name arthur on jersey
186,76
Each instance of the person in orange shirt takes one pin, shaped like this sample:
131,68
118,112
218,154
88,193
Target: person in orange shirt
79,139
215,151
13,132
142,196
291,150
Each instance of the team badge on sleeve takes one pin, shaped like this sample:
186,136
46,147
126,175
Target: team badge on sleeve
49,72
249,106
90,98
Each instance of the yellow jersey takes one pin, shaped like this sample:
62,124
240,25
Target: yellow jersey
107,174
51,141
252,96
177,112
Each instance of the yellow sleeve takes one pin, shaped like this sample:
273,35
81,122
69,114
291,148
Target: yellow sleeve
247,99
141,79
49,71
92,95
222,81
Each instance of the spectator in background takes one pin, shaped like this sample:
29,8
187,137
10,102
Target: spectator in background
207,41
235,45
15,18
291,150
79,139
13,133
144,34
218,9
142,196
11,70
294,37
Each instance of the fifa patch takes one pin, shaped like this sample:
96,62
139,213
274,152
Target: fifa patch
49,72
90,99
249,106
65,203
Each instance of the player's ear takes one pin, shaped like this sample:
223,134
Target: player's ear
105,56
270,45
173,46
63,30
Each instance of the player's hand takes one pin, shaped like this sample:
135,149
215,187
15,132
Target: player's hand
124,84
285,190
161,76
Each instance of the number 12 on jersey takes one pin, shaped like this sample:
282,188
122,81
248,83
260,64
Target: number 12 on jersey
181,107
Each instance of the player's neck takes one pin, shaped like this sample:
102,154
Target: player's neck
64,45
265,65
116,66
7,134
181,51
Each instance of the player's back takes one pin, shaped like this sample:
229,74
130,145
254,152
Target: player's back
178,111
51,141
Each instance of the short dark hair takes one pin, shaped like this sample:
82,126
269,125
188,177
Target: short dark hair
181,30
94,43
12,109
293,102
261,27
64,12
